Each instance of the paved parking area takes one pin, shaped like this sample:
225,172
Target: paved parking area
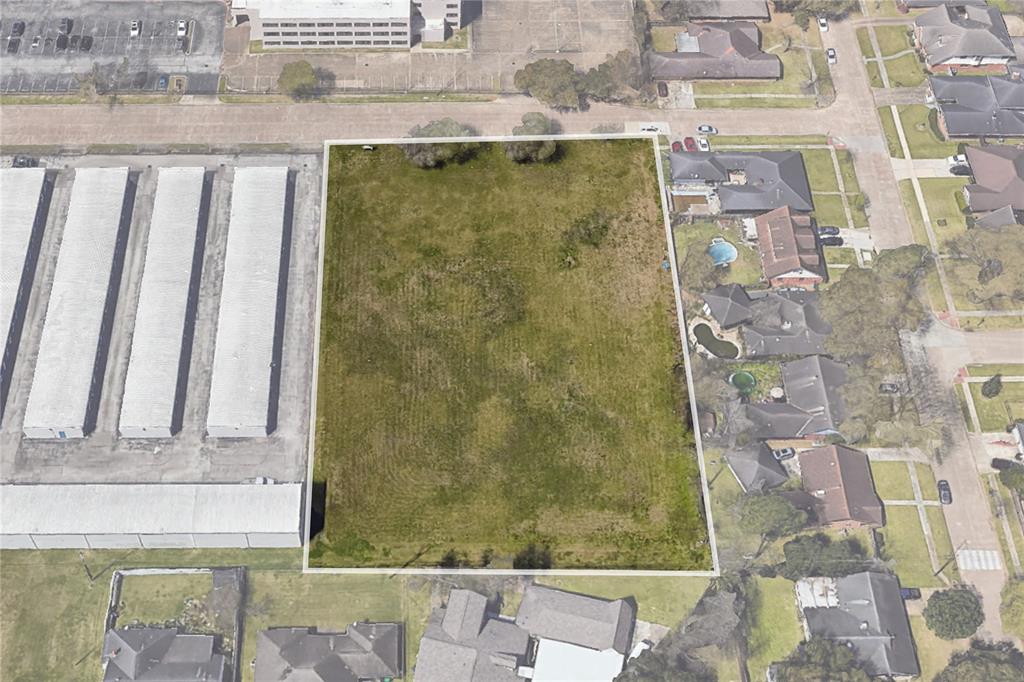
99,42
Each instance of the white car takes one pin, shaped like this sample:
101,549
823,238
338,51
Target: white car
958,160
134,29
703,144
705,129
182,28
830,53
823,24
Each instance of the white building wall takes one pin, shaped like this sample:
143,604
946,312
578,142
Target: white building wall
64,372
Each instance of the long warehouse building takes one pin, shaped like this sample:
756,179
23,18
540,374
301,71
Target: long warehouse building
161,341
244,363
68,370
25,199
158,515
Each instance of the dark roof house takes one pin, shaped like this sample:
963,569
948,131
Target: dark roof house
729,304
918,4
578,619
1001,217
977,106
161,655
729,50
363,652
746,182
839,482
755,468
728,9
998,173
790,255
813,404
865,612
963,36
785,323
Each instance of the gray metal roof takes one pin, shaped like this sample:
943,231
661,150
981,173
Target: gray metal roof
20,190
727,50
577,619
362,651
161,655
950,31
976,106
729,304
756,468
871,618
748,181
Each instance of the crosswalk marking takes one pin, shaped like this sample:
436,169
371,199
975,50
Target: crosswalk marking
978,560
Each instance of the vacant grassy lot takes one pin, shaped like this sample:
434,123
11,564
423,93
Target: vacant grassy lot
996,413
499,364
157,599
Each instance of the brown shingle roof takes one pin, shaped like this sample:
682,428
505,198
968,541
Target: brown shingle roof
998,178
787,243
839,479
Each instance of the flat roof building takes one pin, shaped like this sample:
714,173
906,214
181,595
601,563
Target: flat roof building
241,404
68,370
159,515
25,205
152,391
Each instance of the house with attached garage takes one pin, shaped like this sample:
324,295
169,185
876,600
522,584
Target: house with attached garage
773,322
813,406
989,106
997,185
790,254
756,468
727,50
840,488
162,655
367,652
963,38
740,182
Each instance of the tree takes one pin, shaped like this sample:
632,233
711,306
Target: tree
674,11
1013,478
533,556
817,555
821,660
551,81
528,151
617,79
803,10
995,284
429,155
954,614
985,662
771,517
992,386
300,81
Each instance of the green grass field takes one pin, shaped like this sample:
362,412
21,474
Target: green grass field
942,196
157,599
905,546
495,371
892,480
995,414
776,627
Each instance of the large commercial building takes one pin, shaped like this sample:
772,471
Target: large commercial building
24,196
95,516
354,24
72,350
245,362
161,341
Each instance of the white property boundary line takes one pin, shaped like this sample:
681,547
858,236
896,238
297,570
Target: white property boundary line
681,325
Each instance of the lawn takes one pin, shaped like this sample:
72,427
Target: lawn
943,544
663,38
905,546
157,599
864,42
942,196
904,71
840,256
848,171
821,172
932,652
774,624
745,270
1012,609
926,479
497,364
755,102
913,212
987,323
828,210
1006,369
995,414
919,125
662,600
893,39
892,480
892,138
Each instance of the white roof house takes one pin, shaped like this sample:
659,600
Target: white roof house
557,661
52,516
244,355
151,385
63,384
325,9
20,190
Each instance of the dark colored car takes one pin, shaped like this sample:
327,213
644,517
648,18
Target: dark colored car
662,89
18,29
1000,464
828,230
690,144
62,42
945,494
677,146
13,44
961,170
783,453
86,43
888,389
65,25
25,162
75,42
831,241
910,593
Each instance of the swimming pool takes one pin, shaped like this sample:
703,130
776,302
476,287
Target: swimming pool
716,346
722,252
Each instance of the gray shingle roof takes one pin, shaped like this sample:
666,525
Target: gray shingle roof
785,323
716,50
748,181
1001,217
364,651
976,106
729,304
755,468
813,402
998,173
161,655
577,619
871,618
951,31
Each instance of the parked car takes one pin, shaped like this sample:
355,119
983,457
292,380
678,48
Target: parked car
35,42
823,24
17,29
690,144
945,493
182,28
62,42
162,83
1000,464
705,129
828,231
75,42
65,25
910,593
662,89
12,45
86,43
964,171
650,129
25,162
831,241
677,146
831,54
703,144
783,453
957,160
888,389
134,29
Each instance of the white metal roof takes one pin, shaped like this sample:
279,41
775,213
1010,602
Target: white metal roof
67,349
19,200
150,508
562,661
160,318
330,9
240,385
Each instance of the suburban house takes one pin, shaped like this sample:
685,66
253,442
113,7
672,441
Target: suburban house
975,107
921,4
367,652
998,180
741,182
161,655
813,407
790,255
729,305
865,612
754,10
755,468
842,492
955,37
730,50
772,322
555,635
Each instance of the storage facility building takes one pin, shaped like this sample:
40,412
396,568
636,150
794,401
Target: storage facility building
153,516
25,206
152,394
66,380
243,362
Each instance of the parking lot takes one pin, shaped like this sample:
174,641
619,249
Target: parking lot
121,46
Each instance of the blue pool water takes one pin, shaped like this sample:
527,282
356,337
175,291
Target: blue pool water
722,252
